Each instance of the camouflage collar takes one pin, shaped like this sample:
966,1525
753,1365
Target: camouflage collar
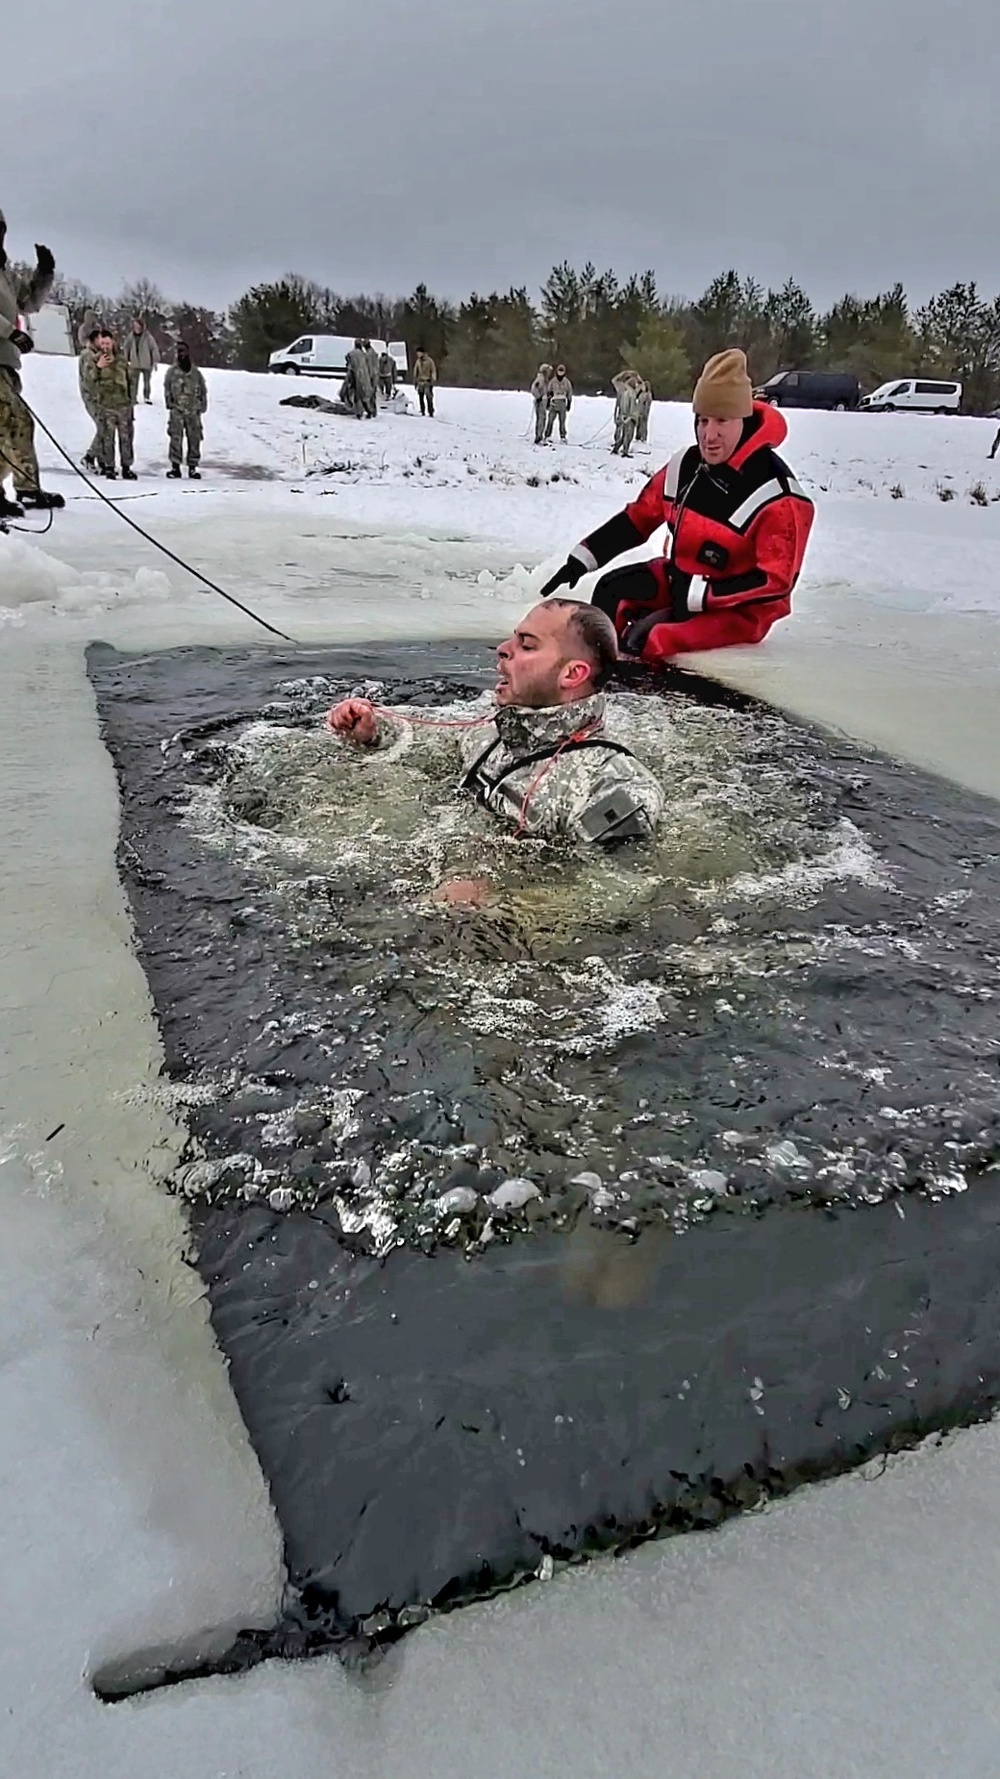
524,731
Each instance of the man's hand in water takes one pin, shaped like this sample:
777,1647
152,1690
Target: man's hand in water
354,720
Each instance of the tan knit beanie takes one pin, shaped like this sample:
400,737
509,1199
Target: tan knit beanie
724,391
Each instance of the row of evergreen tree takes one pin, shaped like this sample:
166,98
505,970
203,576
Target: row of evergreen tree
595,323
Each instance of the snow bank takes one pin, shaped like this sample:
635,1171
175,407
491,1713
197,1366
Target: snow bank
30,576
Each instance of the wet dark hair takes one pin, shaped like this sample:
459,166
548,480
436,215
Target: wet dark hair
596,636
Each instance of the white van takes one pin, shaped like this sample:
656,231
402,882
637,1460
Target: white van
918,394
325,355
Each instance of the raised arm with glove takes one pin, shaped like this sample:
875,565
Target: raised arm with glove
19,296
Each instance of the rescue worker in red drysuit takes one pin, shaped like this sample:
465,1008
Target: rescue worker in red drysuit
738,525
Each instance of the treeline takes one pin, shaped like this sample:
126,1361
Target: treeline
595,323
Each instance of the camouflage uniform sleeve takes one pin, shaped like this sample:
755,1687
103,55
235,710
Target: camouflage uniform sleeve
32,292
88,375
169,385
202,394
624,801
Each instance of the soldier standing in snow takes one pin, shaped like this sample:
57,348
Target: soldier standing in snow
373,371
644,402
560,402
19,296
141,355
104,383
540,397
186,397
387,374
424,379
85,366
359,381
626,388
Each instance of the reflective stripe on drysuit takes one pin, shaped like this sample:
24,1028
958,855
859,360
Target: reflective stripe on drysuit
738,535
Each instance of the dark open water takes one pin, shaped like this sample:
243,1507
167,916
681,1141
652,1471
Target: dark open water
750,1073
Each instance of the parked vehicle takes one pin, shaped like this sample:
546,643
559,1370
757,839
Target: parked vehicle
325,355
811,389
917,394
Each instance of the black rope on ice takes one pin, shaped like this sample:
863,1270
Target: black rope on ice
196,572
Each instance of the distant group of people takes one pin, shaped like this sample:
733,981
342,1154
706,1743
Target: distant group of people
552,394
370,374
110,376
633,400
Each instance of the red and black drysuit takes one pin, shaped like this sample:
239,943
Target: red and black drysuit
737,536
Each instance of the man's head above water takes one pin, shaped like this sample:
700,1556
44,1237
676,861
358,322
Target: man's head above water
559,652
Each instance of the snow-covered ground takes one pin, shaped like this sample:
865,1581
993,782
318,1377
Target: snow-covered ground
846,1631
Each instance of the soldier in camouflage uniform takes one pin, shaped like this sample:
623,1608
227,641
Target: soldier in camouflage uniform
543,761
626,387
387,375
85,363
141,355
540,397
644,402
185,394
424,379
104,385
560,402
19,296
359,382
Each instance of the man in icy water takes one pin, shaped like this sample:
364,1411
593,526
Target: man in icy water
542,761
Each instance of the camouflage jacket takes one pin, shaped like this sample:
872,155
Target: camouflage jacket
105,388
140,351
561,393
359,373
424,369
626,397
527,767
18,296
185,391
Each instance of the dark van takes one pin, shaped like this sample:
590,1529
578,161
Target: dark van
811,389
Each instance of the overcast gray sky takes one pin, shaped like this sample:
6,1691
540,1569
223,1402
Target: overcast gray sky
471,143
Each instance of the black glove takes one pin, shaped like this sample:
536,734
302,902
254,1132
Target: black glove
571,571
22,341
46,264
636,635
